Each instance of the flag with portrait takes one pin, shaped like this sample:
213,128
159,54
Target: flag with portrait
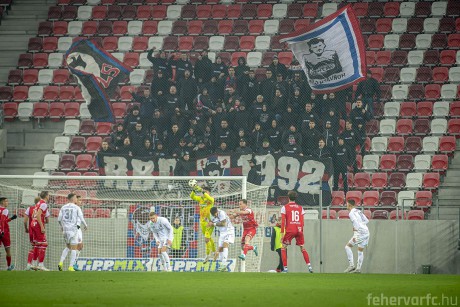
331,51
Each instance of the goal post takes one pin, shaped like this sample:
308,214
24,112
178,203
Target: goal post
116,209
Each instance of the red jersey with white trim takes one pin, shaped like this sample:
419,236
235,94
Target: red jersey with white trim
4,227
30,213
249,221
40,205
292,218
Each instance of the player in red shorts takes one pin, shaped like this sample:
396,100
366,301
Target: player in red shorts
249,228
38,229
292,227
5,230
31,265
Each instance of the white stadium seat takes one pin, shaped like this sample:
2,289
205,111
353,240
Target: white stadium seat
84,12
74,28
387,126
371,162
449,91
35,93
407,9
422,162
55,60
379,144
406,199
279,10
25,110
439,8
399,25
391,41
45,76
430,144
407,75
143,61
174,11
454,74
71,127
441,109
61,144
423,41
254,59
328,9
64,43
156,41
438,126
135,27
431,25
40,183
271,26
51,162
164,27
84,112
216,43
391,109
125,43
415,58
137,76
414,181
400,92
262,42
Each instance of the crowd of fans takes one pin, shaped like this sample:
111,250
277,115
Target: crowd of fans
213,108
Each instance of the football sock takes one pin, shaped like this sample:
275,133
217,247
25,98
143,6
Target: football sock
306,257
78,253
284,257
247,248
166,260
224,256
36,253
64,254
213,246
30,257
41,254
8,260
208,247
360,260
349,254
73,257
162,260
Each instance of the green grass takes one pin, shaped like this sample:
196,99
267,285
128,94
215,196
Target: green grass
214,289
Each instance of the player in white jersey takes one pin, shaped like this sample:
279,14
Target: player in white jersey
223,223
164,235
79,235
360,237
68,218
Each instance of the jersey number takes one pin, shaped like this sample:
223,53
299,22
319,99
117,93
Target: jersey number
295,216
68,214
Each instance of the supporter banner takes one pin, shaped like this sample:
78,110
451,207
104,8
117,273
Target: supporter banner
331,51
281,171
98,74
151,264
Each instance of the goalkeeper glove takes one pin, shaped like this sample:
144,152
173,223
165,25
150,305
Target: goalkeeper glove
197,188
14,217
78,227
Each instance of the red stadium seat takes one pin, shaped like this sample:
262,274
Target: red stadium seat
40,110
405,162
380,215
240,27
362,181
225,27
439,163
247,43
343,214
105,28
66,93
89,28
54,13
424,75
10,110
131,59
447,144
404,126
210,27
201,43
56,111
188,12
310,10
301,24
422,126
110,43
432,91
446,25
51,93
370,58
356,196
69,12
416,215
179,27
77,145
99,12
170,43
431,181
408,109
396,144
415,25
20,93
219,11
285,26
424,109
185,43
88,213
367,25
375,41
264,11
338,198
423,9
67,162
119,28
87,127
391,75
453,126
60,28
61,76
371,198
159,12
84,162
45,28
40,60
114,12
203,11
391,9
149,27
275,43
388,162
15,76
26,59
93,143
431,57
6,93
375,9
413,144
119,109
399,58
447,57
103,129
128,12
234,11
440,41
294,10
140,43
454,109
231,43
379,180
440,74
423,199
30,76
397,215
397,181
144,12
72,110
332,215
377,73
102,213
388,198
195,27
384,25
360,9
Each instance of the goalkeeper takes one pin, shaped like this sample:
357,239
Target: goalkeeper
206,202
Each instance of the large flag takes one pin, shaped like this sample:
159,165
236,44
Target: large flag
331,51
98,74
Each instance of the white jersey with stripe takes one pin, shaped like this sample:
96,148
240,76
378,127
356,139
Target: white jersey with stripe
161,229
222,216
69,216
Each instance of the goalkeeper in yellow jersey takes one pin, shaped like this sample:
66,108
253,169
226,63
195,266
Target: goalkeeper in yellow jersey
206,202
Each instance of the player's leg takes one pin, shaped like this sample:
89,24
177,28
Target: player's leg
247,237
65,251
41,244
167,262
80,242
362,242
280,263
286,241
300,241
30,257
6,243
348,250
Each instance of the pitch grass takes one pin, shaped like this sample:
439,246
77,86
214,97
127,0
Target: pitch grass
215,289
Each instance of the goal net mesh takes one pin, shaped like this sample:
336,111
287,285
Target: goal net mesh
117,210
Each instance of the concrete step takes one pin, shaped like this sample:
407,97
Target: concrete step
20,169
446,193
4,38
32,158
21,3
7,54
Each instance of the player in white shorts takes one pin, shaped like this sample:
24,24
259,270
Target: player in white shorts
69,216
360,237
223,223
79,234
163,234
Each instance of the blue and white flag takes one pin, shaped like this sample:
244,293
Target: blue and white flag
331,51
98,74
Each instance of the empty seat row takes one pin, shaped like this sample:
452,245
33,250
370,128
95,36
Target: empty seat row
409,109
406,9
25,111
385,198
412,58
410,41
405,25
437,126
81,162
410,181
401,92
376,215
391,75
77,144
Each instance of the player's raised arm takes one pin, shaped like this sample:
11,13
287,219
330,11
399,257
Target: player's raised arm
208,197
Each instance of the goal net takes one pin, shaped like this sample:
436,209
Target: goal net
117,212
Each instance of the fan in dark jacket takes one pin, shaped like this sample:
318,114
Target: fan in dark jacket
144,151
160,63
188,88
184,166
148,102
203,68
254,175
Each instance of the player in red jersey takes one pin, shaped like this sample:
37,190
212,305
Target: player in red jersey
249,228
27,225
5,230
292,227
38,229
